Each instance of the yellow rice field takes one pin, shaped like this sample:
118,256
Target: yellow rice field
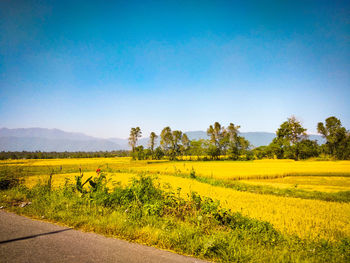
309,219
312,219
217,169
310,183
235,170
119,162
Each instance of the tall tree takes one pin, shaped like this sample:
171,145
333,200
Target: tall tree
337,137
217,134
152,139
177,137
185,143
166,138
232,132
292,131
197,147
135,134
288,136
237,145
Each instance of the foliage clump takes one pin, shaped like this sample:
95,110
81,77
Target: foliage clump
8,179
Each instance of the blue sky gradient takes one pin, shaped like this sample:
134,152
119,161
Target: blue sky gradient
102,67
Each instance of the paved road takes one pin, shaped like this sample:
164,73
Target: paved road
26,240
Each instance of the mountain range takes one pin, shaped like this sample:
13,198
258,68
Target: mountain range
47,140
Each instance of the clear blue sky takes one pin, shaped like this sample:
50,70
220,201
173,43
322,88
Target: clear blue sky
102,67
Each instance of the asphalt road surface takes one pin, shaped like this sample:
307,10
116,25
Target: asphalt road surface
26,240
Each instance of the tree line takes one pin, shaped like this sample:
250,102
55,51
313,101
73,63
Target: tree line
54,155
291,142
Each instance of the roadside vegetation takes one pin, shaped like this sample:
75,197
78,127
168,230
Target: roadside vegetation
144,211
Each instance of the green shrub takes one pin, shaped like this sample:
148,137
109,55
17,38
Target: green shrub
8,179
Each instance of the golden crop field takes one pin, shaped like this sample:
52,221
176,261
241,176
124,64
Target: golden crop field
312,219
77,162
236,170
309,219
310,183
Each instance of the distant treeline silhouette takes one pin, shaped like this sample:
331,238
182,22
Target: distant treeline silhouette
54,155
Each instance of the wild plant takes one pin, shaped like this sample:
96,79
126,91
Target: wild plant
79,183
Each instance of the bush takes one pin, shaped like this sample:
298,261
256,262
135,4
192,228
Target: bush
193,173
8,180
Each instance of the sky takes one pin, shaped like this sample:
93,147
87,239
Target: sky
102,67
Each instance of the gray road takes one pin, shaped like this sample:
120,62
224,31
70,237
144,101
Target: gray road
26,240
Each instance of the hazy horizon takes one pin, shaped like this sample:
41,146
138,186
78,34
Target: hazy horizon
143,135
102,68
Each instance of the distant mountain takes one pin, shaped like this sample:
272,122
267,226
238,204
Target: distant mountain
40,139
55,145
196,135
259,138
124,144
44,133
